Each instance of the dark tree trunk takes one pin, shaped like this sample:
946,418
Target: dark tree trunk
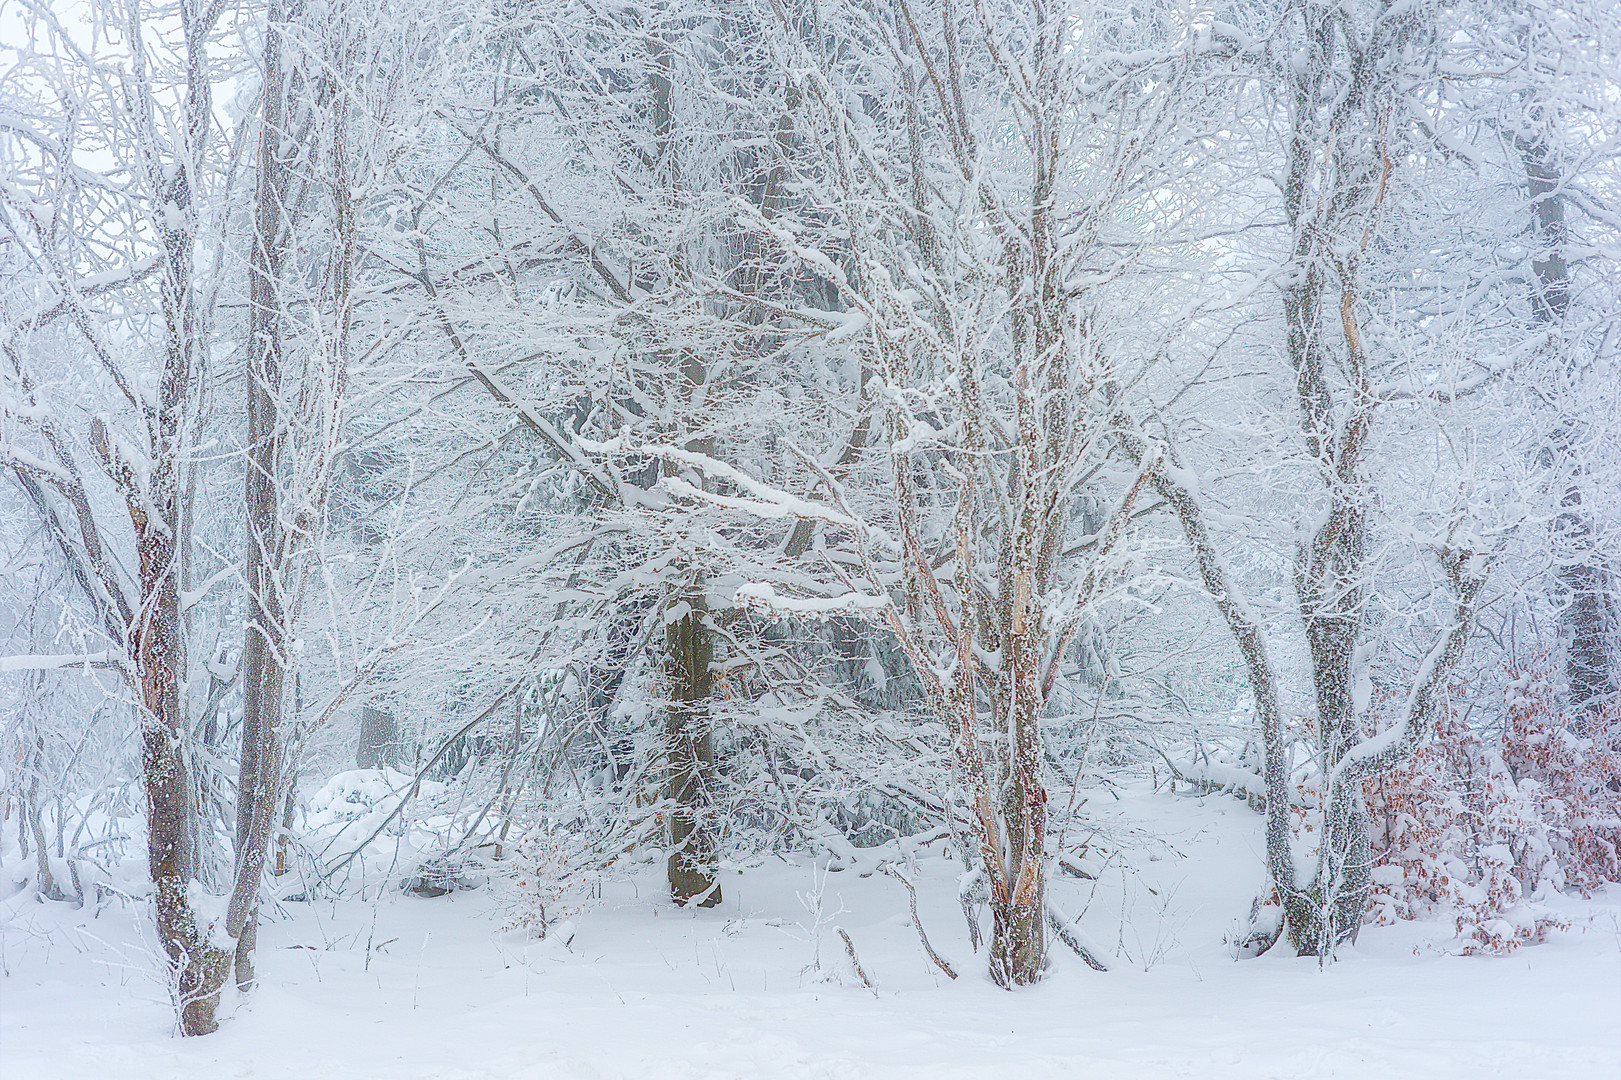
689,642
689,749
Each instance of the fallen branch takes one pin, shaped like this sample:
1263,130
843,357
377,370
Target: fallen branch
911,893
1066,934
855,962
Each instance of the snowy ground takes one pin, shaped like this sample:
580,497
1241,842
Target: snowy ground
415,988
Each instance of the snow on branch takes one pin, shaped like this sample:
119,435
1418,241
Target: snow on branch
1466,573
58,661
768,502
759,596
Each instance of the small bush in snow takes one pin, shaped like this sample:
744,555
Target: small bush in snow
552,882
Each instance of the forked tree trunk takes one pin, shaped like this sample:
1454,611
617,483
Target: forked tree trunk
1330,571
46,881
165,174
1336,177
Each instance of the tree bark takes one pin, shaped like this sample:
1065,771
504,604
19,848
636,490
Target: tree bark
689,748
379,733
1340,160
157,644
199,966
1251,641
690,647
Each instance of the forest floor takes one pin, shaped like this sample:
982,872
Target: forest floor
408,988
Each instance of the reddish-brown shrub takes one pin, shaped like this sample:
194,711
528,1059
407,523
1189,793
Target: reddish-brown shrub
1570,766
1480,828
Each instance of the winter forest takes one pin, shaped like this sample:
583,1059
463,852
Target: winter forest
810,538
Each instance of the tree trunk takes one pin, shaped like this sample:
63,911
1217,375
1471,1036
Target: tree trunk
198,965
1251,641
379,734
689,748
1018,940
286,833
1330,566
46,880
264,657
22,826
42,856
156,639
1585,618
1018,950
1331,582
690,647
1018,905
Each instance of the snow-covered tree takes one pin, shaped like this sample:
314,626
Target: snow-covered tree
982,169
116,198
1371,356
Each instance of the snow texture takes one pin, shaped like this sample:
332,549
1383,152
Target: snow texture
412,989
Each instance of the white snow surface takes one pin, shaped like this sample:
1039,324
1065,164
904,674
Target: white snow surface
412,988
